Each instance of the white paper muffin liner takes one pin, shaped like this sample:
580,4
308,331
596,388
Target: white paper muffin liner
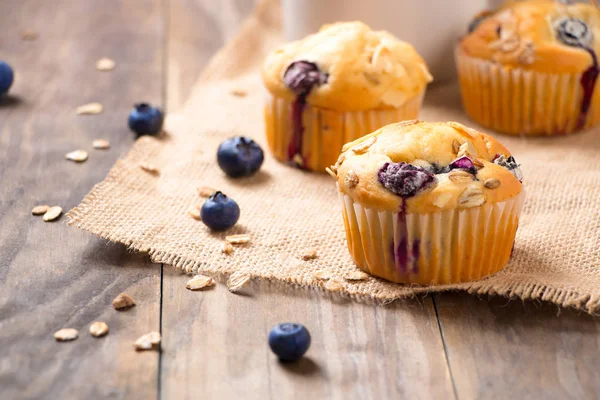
448,246
326,131
518,101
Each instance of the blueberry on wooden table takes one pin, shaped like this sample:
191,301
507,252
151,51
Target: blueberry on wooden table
220,212
289,341
7,77
146,119
240,156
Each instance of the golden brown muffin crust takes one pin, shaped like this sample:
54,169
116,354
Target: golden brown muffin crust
430,145
524,35
366,69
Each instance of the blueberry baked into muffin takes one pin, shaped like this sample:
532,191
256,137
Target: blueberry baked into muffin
429,203
531,68
335,86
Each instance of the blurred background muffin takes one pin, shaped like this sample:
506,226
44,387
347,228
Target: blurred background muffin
531,67
335,86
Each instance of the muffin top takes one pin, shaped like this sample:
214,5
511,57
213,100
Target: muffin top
347,67
538,35
423,167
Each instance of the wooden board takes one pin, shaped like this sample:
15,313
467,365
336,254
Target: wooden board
53,276
215,342
519,350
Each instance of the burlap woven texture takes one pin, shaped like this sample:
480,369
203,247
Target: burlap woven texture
557,251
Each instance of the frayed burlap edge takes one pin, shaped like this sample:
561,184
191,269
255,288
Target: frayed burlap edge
517,289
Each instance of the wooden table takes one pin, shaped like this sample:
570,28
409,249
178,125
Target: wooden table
214,343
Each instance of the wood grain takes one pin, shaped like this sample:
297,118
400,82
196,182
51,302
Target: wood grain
52,276
215,342
524,350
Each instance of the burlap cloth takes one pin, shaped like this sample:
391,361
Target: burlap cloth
557,251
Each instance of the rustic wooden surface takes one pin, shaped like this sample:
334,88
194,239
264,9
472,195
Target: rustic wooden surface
214,343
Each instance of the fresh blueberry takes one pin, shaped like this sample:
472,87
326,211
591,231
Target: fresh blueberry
404,179
510,164
477,21
219,212
463,162
145,119
7,77
301,76
240,156
289,341
573,32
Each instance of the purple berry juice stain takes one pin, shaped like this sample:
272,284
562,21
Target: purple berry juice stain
588,83
575,32
295,146
301,77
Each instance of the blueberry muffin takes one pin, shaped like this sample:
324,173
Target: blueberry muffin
531,68
335,86
429,203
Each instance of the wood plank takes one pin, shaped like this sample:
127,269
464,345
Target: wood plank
524,350
52,276
214,342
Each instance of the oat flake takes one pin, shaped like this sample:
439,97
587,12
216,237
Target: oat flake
472,196
200,282
298,160
227,248
455,146
77,156
329,170
123,301
66,334
105,64
238,93
89,109
147,341
149,168
460,176
491,183
334,285
194,212
351,179
237,280
206,191
309,255
363,147
238,239
40,210
322,275
29,35
356,276
52,214
98,329
101,144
